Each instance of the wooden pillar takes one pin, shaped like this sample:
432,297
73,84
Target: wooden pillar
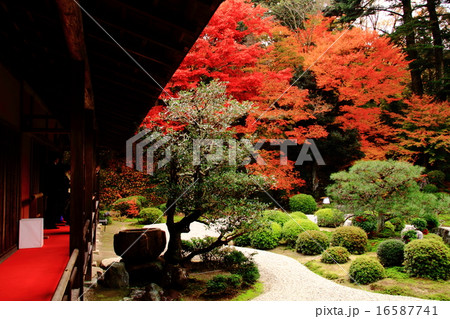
89,172
77,188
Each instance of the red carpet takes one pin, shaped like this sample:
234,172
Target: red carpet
33,274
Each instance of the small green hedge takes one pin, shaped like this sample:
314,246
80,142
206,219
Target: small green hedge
390,252
150,215
264,239
328,217
223,284
351,237
297,215
366,220
336,254
293,228
427,259
399,223
303,203
277,216
365,270
312,242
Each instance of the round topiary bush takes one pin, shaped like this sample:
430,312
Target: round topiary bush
351,237
328,217
419,223
150,215
433,237
297,215
264,239
312,242
427,259
336,254
303,202
390,252
293,228
365,270
277,216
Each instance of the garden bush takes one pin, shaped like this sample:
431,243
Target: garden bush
419,223
223,284
427,259
399,223
277,216
243,240
336,254
409,236
312,242
130,206
366,220
293,228
214,256
276,230
430,188
351,237
150,215
303,202
433,237
297,215
328,217
390,252
237,263
432,221
264,238
365,270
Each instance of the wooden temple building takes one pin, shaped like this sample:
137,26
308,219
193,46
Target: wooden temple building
76,75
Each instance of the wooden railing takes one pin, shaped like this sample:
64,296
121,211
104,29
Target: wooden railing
64,290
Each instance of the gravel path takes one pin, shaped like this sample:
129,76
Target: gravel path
285,279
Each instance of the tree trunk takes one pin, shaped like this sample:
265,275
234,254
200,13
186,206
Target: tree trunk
438,49
173,253
412,54
380,222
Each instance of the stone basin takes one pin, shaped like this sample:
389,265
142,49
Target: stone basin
139,245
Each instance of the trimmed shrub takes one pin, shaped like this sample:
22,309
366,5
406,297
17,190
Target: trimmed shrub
428,259
130,206
163,207
390,252
351,237
223,284
419,223
293,228
390,226
367,221
336,254
328,217
277,216
312,242
264,239
432,221
276,230
243,240
409,236
150,215
303,202
433,237
430,188
399,223
365,270
297,215
237,263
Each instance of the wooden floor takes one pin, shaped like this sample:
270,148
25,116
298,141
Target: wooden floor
33,274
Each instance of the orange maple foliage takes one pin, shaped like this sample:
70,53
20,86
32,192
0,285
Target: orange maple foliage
425,129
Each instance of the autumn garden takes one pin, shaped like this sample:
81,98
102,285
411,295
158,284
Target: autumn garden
372,98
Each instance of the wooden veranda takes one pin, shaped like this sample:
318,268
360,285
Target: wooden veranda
76,75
